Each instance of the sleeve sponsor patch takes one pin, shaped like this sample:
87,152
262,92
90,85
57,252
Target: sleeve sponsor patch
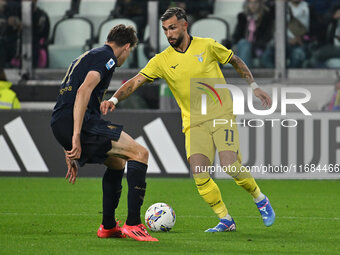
110,64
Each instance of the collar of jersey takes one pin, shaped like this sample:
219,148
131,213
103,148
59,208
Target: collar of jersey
191,38
108,47
115,58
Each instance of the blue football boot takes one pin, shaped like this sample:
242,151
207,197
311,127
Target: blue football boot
266,211
223,226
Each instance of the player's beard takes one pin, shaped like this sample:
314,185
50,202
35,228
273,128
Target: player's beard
177,42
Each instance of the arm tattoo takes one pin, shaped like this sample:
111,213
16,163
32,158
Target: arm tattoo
127,89
122,93
242,69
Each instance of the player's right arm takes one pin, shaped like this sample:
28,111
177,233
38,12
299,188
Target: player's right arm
122,93
150,72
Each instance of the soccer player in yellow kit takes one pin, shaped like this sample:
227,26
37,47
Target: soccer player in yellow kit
188,65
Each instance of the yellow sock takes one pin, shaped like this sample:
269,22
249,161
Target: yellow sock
211,194
243,178
250,186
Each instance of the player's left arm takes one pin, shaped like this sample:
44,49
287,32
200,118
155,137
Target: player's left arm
82,99
245,73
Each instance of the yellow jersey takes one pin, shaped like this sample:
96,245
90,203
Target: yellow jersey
192,73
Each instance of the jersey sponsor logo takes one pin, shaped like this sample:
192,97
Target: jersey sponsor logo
200,56
63,90
174,67
24,147
110,64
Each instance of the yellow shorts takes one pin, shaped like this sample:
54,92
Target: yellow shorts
208,136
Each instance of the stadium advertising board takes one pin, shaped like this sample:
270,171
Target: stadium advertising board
272,147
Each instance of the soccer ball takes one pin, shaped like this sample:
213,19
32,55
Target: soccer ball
160,217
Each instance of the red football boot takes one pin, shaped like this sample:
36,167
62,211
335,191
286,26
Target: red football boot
138,232
115,232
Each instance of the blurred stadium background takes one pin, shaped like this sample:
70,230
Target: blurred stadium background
46,216
51,33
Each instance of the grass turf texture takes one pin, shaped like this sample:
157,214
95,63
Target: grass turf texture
50,216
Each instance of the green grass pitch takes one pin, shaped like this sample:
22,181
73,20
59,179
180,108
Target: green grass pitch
51,216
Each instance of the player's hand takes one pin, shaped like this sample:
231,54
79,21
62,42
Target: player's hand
264,97
72,169
76,148
107,105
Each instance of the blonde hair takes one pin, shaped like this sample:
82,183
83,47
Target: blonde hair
262,8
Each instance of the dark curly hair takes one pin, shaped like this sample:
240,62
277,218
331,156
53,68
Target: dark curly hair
174,11
121,35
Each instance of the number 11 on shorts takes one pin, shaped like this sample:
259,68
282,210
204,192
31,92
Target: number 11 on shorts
227,135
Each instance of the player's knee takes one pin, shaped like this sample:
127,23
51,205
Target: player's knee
199,163
142,154
120,164
227,158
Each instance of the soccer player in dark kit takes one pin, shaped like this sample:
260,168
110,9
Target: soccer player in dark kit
86,138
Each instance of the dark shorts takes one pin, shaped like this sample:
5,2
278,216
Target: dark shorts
96,136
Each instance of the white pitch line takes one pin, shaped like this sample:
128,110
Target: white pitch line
179,216
281,217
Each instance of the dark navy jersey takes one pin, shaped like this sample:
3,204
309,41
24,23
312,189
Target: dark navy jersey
101,60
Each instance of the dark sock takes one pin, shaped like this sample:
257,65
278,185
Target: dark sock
136,172
112,188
